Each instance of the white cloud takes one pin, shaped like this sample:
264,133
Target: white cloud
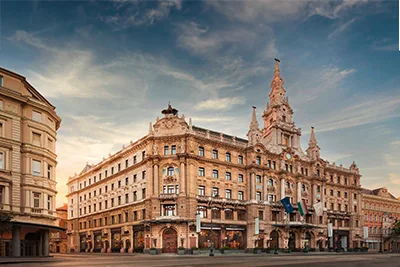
271,50
220,103
395,143
335,9
341,28
133,13
385,44
394,178
370,111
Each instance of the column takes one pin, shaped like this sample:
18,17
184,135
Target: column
182,181
282,188
16,241
45,242
314,194
44,202
252,187
156,180
290,141
323,196
7,195
298,191
27,201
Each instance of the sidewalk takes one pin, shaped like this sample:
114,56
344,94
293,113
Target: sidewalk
14,260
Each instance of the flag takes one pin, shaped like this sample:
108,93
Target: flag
302,207
286,204
318,208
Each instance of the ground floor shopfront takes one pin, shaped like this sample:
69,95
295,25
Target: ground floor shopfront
26,240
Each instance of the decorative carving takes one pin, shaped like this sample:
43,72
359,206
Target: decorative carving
182,146
155,149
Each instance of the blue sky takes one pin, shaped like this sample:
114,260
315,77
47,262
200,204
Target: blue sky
110,67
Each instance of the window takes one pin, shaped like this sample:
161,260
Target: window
303,187
135,215
143,154
228,157
170,171
270,182
166,150
271,198
240,195
228,214
240,178
126,216
134,196
338,179
112,170
261,215
215,154
36,116
1,160
240,159
228,176
36,139
287,185
143,193
274,165
355,196
228,193
215,174
306,172
258,160
1,84
143,175
215,191
36,167
258,178
126,180
201,151
338,193
36,200
112,202
106,204
269,163
134,178
201,190
331,192
112,187
119,184
119,200
201,171
105,173
318,189
99,176
173,150
126,163
339,206
332,206
106,188
49,200
134,160
258,196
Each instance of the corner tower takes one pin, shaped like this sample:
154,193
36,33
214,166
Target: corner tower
279,128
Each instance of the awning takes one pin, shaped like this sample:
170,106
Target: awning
235,229
209,228
41,226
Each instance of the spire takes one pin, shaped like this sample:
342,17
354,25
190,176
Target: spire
277,95
254,122
277,70
313,141
313,148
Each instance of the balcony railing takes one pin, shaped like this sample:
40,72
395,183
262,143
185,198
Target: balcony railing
37,210
165,196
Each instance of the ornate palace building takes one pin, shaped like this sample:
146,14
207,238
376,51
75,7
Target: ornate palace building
147,195
381,209
58,239
28,130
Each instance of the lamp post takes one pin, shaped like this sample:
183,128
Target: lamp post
381,245
212,240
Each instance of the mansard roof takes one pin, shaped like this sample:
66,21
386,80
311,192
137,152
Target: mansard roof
380,192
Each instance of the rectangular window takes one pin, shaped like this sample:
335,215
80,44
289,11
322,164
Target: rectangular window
119,200
36,139
228,157
36,164
240,195
228,193
258,178
143,155
112,202
228,176
49,171
258,196
36,200
135,216
134,196
201,151
269,164
126,198
134,178
36,116
173,150
99,176
215,154
105,173
258,160
331,192
143,193
166,150
119,167
240,159
215,191
1,160
134,160
240,178
126,180
112,170
143,174
274,165
126,163
201,191
215,174
119,184
112,187
261,215
49,200
1,84
201,171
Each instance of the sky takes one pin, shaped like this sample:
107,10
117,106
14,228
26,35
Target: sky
110,67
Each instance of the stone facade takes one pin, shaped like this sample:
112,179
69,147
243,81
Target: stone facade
58,239
380,209
28,129
147,195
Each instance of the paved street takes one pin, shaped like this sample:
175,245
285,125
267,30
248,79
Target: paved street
239,260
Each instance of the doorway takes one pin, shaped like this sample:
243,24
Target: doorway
170,241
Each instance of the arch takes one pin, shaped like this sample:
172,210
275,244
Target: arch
292,240
274,238
169,241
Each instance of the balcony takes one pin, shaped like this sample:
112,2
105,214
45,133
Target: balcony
37,210
221,200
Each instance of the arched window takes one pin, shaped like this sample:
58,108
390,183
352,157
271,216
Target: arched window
303,187
287,185
270,182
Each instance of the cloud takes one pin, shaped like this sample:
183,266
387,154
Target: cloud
385,44
134,13
341,28
395,143
335,9
271,50
369,111
394,178
220,103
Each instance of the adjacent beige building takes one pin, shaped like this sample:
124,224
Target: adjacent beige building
147,195
28,131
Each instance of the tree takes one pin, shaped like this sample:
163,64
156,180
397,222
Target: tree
5,224
396,228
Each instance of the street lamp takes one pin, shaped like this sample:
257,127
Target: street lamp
381,245
212,240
